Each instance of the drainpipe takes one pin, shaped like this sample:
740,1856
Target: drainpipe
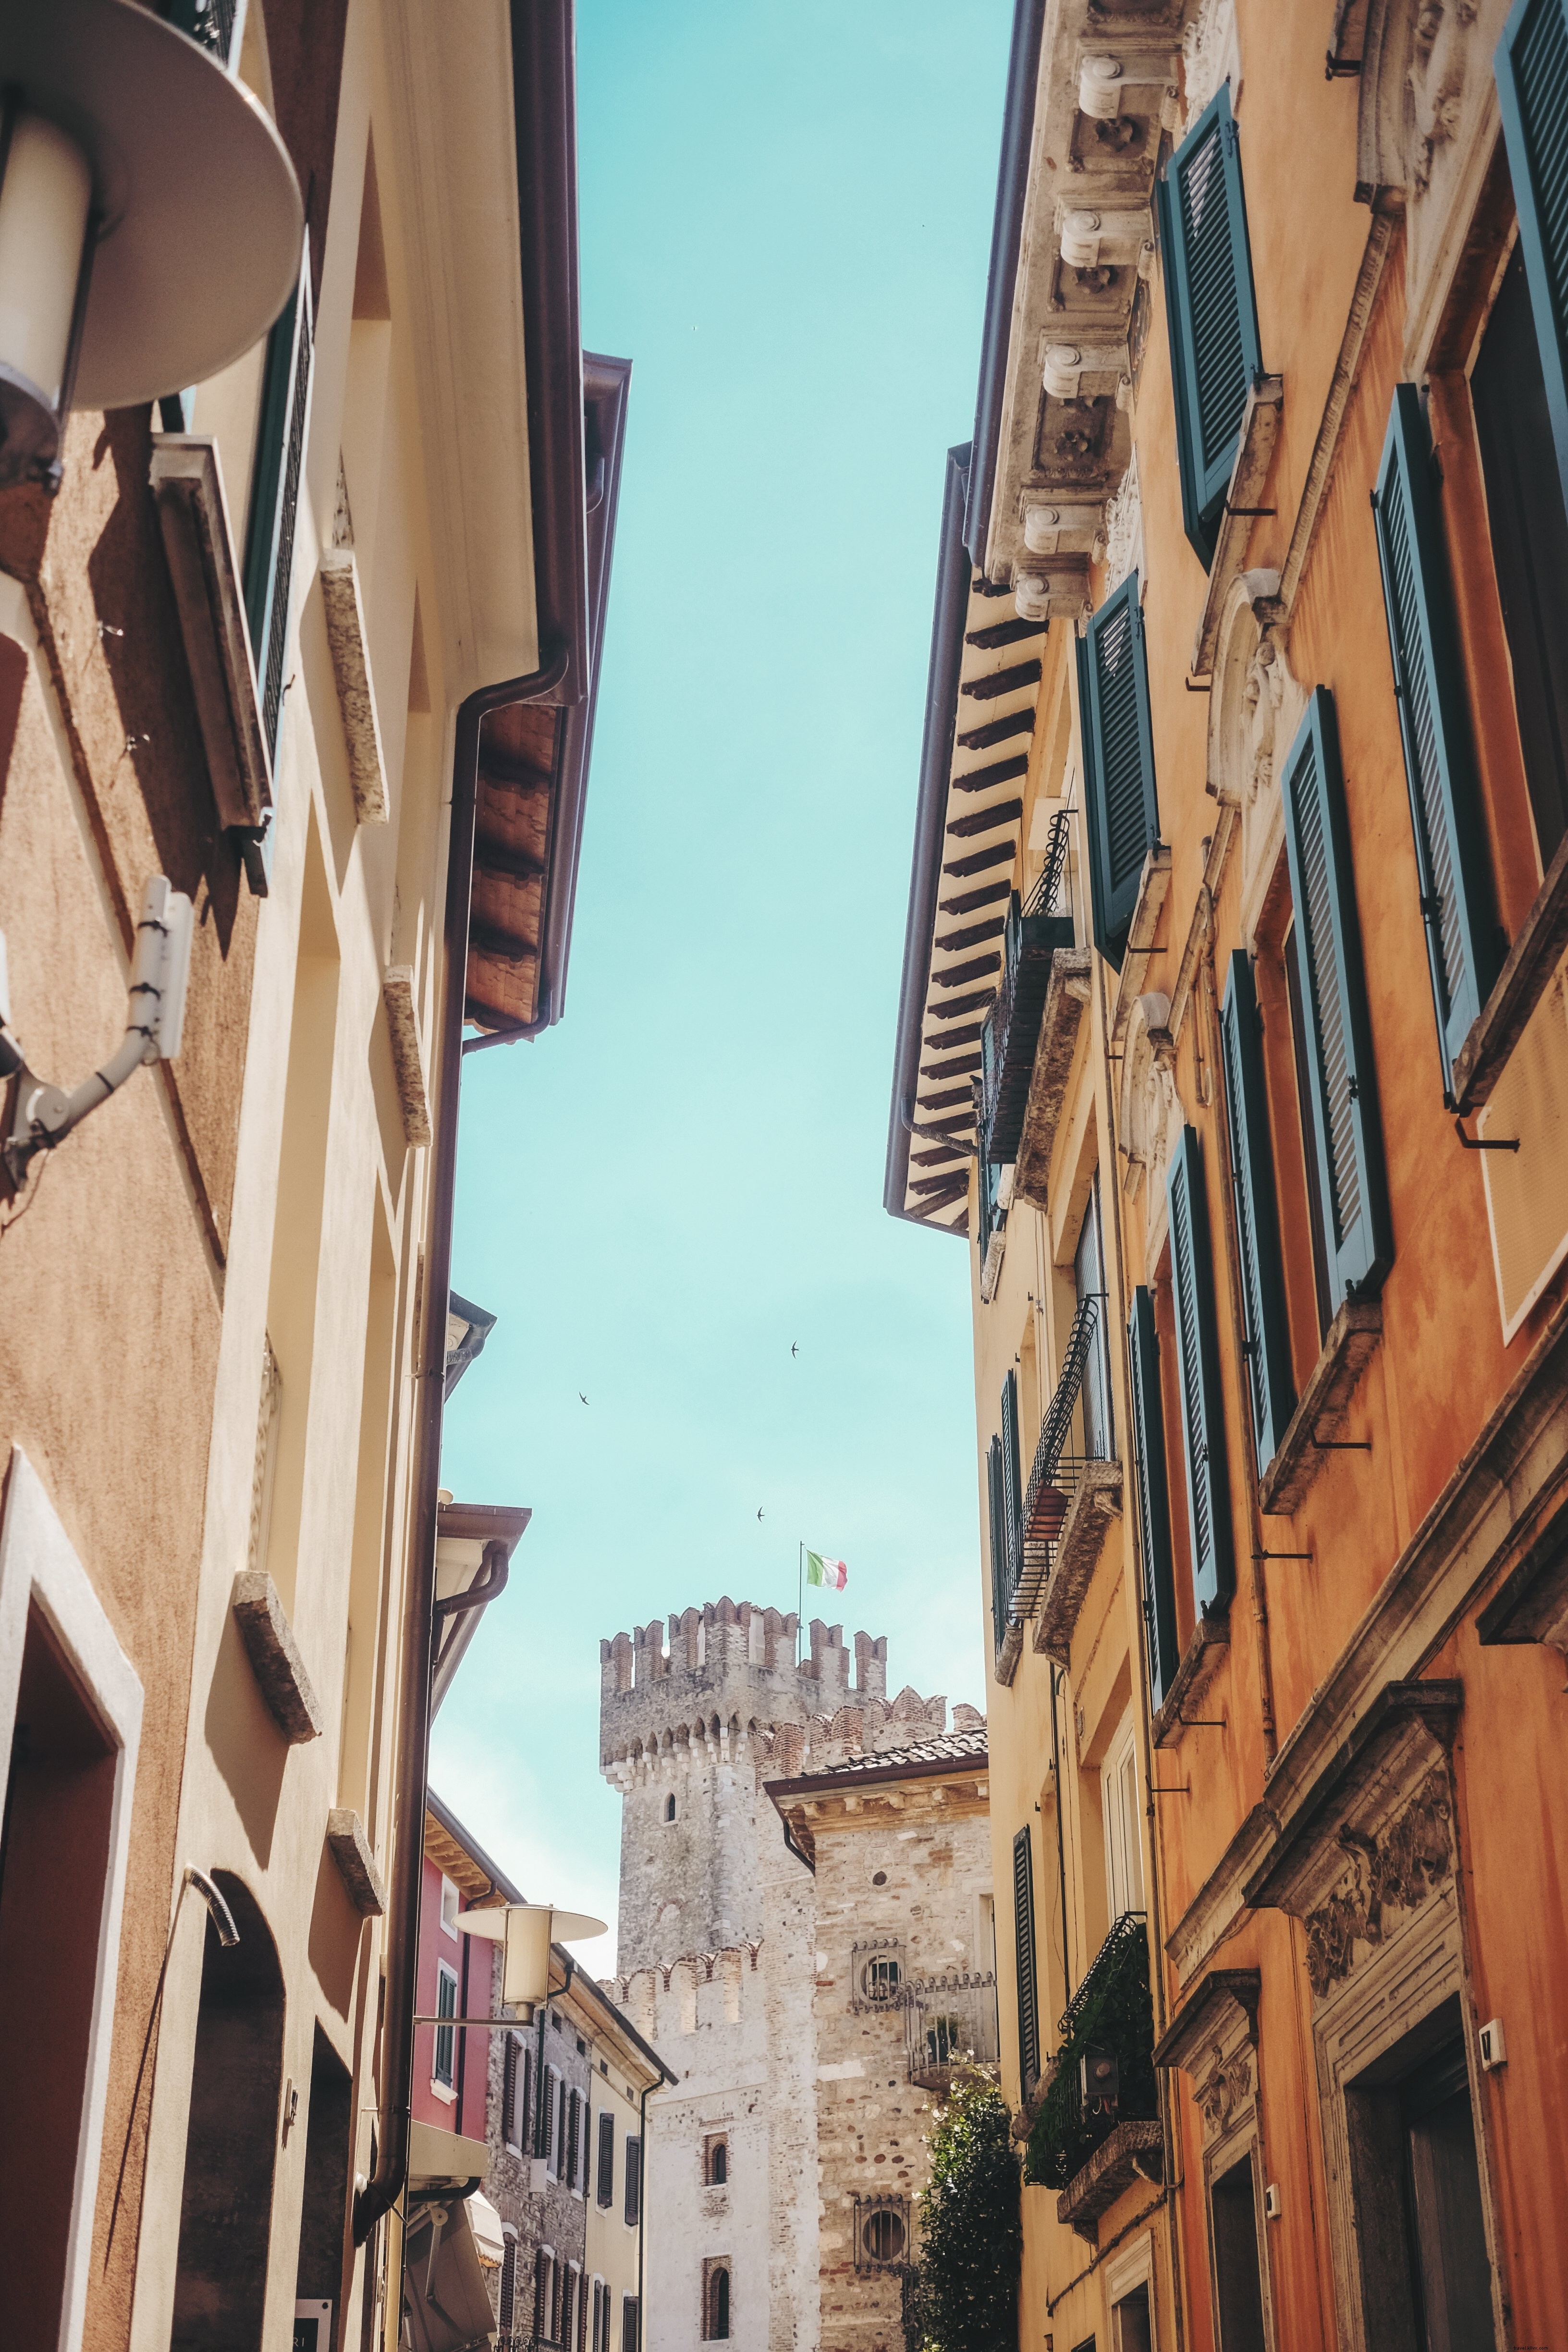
642,2209
385,2185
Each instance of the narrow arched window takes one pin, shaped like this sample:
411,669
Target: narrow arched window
718,2329
669,1807
719,2164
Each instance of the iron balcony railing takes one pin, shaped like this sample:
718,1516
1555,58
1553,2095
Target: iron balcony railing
950,2023
1103,2072
1011,1030
1053,1476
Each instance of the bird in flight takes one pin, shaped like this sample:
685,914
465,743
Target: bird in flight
794,1347
759,1511
583,1398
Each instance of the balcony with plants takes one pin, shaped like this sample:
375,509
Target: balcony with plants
1032,939
1097,2127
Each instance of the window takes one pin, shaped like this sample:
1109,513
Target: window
544,2291
1435,728
881,2234
1344,1141
631,2324
1088,1278
715,2303
1131,2327
1415,2180
1197,1366
1024,1945
574,2137
669,1806
1238,2268
1270,1389
508,2285
1119,799
1009,1506
1001,1579
605,2190
1123,1843
1153,1498
442,2066
550,2121
1211,312
275,495
511,2118
568,2304
634,2182
597,2326
879,1981
450,1904
716,2163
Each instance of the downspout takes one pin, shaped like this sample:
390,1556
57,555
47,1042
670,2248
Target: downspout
1061,1848
642,2209
402,1934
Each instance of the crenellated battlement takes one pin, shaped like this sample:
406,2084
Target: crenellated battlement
729,1674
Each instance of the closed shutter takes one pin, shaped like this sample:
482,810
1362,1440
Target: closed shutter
1197,1364
508,2285
606,2191
631,2324
1270,1385
998,1539
1153,1497
1211,312
1532,94
633,2181
1024,1939
275,497
1119,762
1345,1148
573,2131
524,2118
1012,1480
509,2091
1434,727
541,2291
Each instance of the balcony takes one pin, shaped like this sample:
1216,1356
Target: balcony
1031,943
1068,1503
1092,2145
950,2025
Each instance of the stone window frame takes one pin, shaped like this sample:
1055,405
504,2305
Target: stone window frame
1213,2039
863,1953
870,2265
1373,1869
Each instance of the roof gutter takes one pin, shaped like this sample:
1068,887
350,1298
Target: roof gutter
925,878
1007,240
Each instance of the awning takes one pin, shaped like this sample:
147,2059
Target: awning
488,2235
446,2304
444,2159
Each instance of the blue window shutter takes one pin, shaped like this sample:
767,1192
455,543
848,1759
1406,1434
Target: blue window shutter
999,1592
1433,723
1344,1151
1270,1384
1024,1951
1532,95
275,495
1211,312
1012,1475
1119,762
1154,1500
1198,1364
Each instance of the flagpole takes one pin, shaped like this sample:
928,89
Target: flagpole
799,1594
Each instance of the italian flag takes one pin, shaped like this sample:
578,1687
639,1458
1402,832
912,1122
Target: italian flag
819,1570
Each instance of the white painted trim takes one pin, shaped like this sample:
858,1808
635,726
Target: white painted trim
37,1563
1133,2266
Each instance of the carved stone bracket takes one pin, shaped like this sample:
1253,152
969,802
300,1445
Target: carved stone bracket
1253,456
1134,2151
1067,1002
1378,1838
1096,1502
1146,914
1213,2038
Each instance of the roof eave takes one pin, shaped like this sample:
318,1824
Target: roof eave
1007,238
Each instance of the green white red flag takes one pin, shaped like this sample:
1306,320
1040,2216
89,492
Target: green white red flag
820,1570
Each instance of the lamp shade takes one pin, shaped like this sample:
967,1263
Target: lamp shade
527,1930
193,204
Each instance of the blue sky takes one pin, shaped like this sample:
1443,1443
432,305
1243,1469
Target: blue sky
785,224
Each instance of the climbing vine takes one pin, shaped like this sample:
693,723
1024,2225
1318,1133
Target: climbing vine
966,2298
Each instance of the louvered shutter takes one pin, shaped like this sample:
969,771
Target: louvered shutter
507,2284
1211,312
573,2128
524,2118
541,2285
1197,1364
633,2181
275,495
1345,1148
1000,1595
606,2191
509,2091
1011,1479
1153,1497
1434,727
1532,94
1024,1942
1270,1384
1119,762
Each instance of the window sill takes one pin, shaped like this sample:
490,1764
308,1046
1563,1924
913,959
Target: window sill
444,2091
1522,981
1097,1500
1134,2151
1067,1002
1200,1660
1140,949
1255,452
1320,1416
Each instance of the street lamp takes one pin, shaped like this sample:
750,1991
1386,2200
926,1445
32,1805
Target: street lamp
150,221
526,1931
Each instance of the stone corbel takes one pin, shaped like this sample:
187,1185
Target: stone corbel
346,637
275,1657
1146,914
1254,455
1213,2040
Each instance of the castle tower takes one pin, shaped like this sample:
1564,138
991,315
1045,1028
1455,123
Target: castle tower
687,1735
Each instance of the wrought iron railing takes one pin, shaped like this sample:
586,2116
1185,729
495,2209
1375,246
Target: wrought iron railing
1030,939
950,2023
1042,898
1110,2018
1040,1522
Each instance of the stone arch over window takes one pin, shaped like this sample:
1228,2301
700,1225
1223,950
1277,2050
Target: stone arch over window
669,1806
231,2145
716,2300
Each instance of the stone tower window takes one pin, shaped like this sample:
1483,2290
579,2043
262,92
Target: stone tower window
716,2161
878,1972
716,2301
881,2234
669,1806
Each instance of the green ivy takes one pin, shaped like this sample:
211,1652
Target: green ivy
1118,2016
965,2296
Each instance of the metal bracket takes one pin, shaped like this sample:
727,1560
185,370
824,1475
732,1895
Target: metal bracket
1485,1142
1342,1445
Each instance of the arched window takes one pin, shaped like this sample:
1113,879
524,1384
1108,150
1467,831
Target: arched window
669,1806
716,2329
719,2163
